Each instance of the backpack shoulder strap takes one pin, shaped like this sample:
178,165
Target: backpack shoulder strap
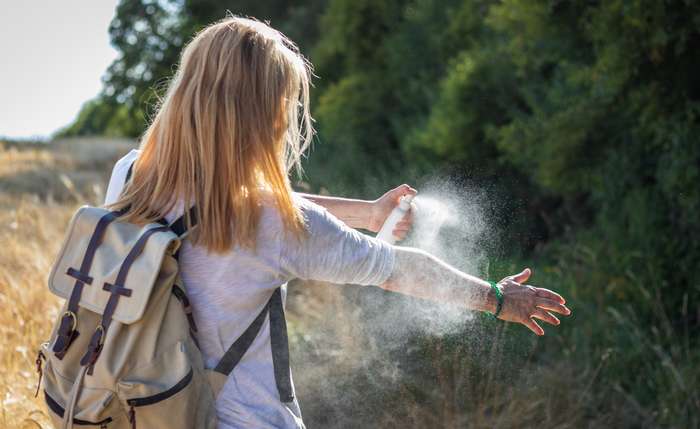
128,172
280,347
179,226
278,342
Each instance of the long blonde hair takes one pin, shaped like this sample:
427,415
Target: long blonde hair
233,123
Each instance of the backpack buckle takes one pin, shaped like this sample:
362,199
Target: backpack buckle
73,318
66,333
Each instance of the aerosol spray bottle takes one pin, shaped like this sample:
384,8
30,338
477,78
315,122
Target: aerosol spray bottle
385,233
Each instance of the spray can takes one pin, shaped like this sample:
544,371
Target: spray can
385,233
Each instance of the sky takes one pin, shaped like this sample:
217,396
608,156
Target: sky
52,57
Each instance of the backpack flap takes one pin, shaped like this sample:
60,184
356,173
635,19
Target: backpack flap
97,263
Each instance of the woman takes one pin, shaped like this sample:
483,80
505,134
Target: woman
234,121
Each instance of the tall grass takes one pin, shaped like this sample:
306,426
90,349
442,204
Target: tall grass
30,233
40,188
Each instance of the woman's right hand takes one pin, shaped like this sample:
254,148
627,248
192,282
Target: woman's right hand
523,303
383,206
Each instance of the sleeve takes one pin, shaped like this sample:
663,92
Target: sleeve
116,181
334,252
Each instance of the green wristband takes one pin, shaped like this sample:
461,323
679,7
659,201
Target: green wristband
499,299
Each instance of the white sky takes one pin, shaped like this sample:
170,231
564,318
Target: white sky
52,56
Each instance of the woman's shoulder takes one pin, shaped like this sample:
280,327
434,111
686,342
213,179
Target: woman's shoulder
127,159
122,165
317,220
315,215
116,181
306,206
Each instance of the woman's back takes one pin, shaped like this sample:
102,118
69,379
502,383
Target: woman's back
229,290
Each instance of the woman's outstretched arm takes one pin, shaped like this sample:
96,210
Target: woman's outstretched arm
355,213
365,214
419,274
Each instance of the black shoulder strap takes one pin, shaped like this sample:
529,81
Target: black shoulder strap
128,172
280,347
278,342
179,226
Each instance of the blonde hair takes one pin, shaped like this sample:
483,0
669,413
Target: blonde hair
234,121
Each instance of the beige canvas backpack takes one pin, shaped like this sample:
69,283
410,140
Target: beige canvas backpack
123,350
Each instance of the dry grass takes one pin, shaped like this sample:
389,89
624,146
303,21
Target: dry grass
40,188
30,233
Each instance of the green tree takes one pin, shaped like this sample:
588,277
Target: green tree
150,35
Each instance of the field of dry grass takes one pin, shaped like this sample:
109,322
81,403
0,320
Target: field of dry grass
40,187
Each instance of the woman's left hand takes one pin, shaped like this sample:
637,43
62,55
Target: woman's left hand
524,303
382,207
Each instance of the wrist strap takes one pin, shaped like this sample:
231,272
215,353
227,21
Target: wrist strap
499,298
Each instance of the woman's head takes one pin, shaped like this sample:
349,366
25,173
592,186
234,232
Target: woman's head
234,121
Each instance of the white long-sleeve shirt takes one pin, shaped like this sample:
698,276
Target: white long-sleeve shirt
229,290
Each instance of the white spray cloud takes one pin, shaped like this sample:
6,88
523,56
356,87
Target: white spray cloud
451,221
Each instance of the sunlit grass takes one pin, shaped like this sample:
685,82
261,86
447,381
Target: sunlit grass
33,219
30,233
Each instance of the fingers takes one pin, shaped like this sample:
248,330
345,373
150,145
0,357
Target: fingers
401,232
548,294
404,226
554,306
407,218
523,276
533,326
405,190
398,192
546,316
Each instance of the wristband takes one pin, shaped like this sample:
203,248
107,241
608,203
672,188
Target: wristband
499,299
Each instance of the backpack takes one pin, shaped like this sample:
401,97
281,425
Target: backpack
124,347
